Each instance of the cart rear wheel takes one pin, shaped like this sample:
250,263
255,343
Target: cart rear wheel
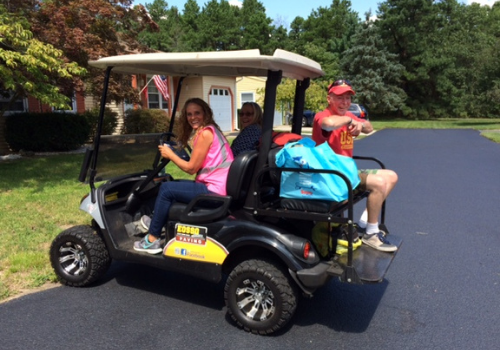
259,297
79,256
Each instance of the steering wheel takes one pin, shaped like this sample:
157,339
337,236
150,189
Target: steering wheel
180,152
134,201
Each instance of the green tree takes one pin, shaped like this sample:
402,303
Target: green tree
279,38
315,98
329,61
331,27
449,51
374,72
408,27
170,34
255,26
89,29
324,35
190,16
476,37
295,35
29,67
219,26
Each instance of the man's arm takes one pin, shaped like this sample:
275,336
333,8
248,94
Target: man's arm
355,125
334,122
364,125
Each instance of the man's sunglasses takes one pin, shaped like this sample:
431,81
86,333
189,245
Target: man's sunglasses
339,82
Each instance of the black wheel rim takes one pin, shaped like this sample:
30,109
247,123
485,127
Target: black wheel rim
73,259
255,299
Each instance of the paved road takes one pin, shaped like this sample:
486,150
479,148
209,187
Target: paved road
442,291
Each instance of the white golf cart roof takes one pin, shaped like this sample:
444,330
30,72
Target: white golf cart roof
215,63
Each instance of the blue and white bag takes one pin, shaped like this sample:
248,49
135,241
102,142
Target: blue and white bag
301,185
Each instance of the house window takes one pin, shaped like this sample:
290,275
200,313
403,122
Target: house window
247,97
155,98
220,92
72,105
18,106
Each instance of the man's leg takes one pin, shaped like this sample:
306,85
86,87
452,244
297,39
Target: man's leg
380,183
379,190
391,179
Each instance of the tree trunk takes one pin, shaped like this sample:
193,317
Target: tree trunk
4,147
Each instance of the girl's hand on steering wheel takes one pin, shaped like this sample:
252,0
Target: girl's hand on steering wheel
165,151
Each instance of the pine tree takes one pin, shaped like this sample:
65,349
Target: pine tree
374,72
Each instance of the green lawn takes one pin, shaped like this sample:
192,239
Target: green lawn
40,196
478,124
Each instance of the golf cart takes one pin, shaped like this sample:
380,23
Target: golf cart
260,244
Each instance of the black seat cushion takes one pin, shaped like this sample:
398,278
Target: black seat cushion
308,205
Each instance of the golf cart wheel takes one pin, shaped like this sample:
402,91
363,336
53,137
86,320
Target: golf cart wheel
79,256
259,297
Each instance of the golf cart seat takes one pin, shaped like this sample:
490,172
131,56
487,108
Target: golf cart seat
211,207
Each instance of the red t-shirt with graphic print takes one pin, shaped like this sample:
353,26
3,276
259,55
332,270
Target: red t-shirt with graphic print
340,140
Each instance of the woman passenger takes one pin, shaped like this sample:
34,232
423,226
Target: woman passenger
251,128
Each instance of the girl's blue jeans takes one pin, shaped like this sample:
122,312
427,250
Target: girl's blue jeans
170,192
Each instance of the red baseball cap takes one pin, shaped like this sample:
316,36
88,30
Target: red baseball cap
340,87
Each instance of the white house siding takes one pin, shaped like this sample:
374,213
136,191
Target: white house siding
253,85
250,85
91,103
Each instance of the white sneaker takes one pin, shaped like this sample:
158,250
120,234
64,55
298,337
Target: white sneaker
379,242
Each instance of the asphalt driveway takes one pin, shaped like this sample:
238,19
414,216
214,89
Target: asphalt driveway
441,292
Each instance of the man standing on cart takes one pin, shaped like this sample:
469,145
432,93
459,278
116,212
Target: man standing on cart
339,127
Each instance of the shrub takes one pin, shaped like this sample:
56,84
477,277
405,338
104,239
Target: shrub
46,132
109,123
145,121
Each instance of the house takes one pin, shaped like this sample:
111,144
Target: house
225,95
251,89
219,92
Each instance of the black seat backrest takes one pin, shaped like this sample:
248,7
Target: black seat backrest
274,176
239,177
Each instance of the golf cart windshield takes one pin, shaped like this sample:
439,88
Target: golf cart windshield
127,154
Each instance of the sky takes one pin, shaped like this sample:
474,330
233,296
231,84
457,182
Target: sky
284,12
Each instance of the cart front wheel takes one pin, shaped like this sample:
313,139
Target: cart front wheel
79,256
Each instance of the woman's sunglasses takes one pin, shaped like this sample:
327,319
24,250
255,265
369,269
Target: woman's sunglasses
246,114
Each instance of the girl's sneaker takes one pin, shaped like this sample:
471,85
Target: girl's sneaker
145,222
149,247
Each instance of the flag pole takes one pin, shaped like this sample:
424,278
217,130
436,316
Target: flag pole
145,86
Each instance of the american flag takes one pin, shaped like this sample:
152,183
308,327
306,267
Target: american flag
162,85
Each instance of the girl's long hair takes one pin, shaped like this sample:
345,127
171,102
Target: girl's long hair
184,130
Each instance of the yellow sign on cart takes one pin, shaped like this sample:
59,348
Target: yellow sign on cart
191,243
